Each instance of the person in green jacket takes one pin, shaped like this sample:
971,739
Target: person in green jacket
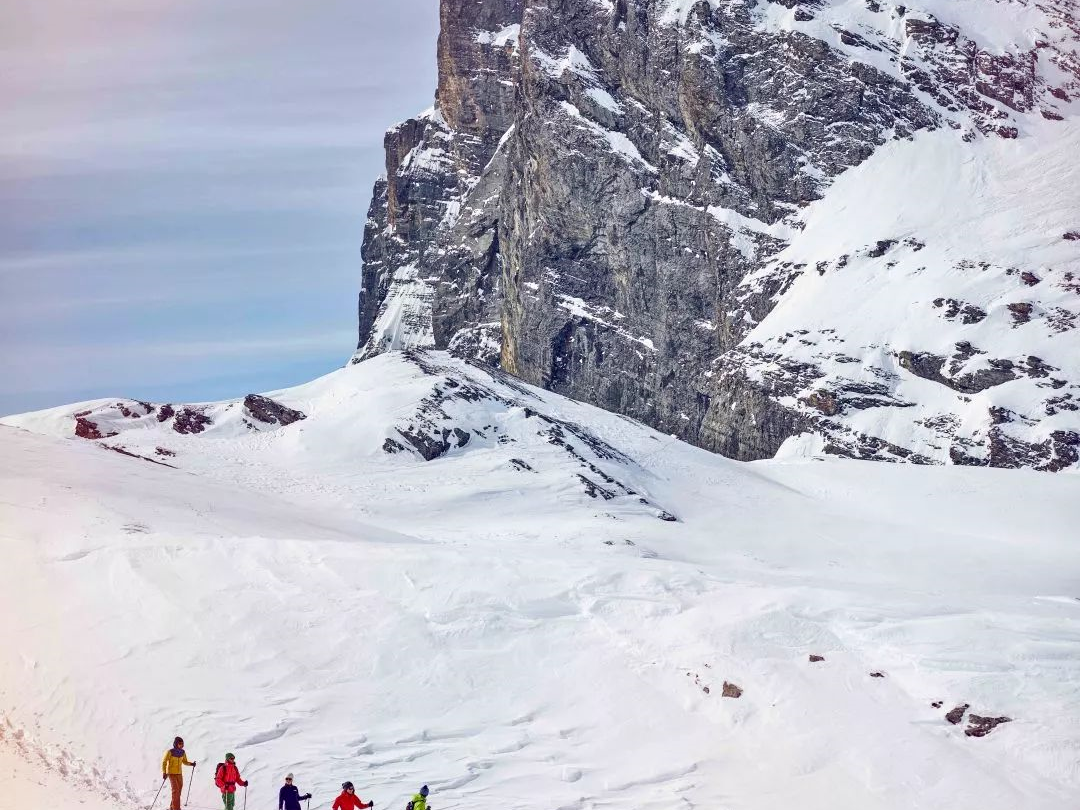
419,801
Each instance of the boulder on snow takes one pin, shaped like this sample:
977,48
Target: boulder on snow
956,715
815,658
732,690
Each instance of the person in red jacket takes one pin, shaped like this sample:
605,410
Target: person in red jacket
348,800
227,777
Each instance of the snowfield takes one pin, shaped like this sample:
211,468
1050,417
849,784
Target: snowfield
542,615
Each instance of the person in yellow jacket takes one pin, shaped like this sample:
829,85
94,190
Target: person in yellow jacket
171,769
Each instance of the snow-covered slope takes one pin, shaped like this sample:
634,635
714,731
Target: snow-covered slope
931,305
515,618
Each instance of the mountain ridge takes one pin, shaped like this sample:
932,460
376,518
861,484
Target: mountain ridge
618,200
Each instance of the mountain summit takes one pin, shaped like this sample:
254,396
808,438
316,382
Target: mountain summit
843,227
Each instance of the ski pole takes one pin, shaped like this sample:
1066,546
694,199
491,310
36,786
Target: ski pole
158,793
189,784
245,797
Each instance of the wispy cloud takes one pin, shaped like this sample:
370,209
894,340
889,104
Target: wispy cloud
184,186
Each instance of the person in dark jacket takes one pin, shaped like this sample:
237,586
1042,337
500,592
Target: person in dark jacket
289,797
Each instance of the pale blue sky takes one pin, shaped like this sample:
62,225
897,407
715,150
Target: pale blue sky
183,188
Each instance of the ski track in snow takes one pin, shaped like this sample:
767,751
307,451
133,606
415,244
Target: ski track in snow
301,597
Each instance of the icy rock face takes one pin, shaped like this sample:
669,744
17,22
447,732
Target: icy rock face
677,211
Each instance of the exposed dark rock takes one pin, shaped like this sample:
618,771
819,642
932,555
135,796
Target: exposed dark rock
824,401
427,445
85,429
1072,236
518,464
391,446
166,413
129,412
881,248
937,704
815,658
979,726
594,490
164,451
1029,278
190,420
956,715
968,313
1021,312
877,674
266,410
125,452
731,690
929,367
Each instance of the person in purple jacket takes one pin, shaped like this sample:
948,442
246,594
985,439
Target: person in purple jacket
289,797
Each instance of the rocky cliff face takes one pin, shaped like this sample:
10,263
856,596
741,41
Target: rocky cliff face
829,226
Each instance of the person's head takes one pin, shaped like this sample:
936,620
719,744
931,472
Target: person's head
424,791
347,787
178,742
288,778
230,757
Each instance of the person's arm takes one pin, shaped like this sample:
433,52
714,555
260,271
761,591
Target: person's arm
165,765
188,761
281,799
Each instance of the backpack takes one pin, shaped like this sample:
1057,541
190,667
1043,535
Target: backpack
219,775
409,806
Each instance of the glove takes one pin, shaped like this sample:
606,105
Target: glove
305,797
164,777
193,764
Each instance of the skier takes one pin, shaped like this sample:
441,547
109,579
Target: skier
348,800
419,801
289,797
227,777
172,769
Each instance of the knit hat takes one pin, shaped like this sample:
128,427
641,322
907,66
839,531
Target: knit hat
229,756
288,776
424,790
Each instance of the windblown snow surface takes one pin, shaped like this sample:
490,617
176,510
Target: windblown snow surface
520,622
